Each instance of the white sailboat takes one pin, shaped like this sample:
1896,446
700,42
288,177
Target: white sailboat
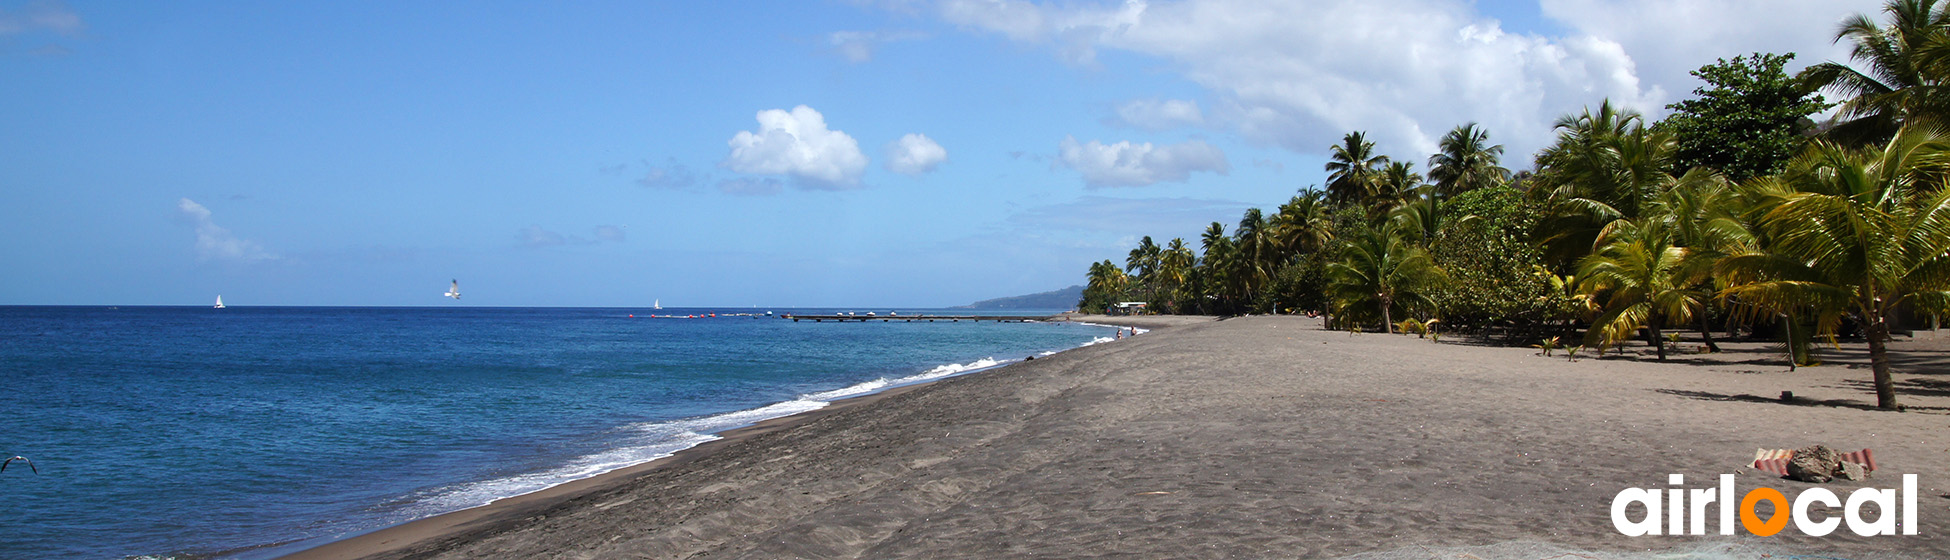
656,304
219,301
454,291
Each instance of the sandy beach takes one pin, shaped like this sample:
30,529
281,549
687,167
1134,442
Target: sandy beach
1257,437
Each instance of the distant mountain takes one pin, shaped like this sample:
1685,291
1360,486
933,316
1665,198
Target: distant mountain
1060,299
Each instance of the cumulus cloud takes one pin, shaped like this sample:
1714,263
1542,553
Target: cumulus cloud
751,186
1134,165
47,15
1670,38
1155,114
914,154
798,144
1301,74
859,46
214,243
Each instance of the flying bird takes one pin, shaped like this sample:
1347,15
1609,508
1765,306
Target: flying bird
453,292
30,464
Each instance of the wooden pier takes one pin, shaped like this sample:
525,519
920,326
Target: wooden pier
916,318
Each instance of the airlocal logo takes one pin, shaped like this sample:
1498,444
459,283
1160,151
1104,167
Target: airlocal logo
1677,504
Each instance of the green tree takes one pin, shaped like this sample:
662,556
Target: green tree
1637,274
1352,170
1746,122
1605,166
1491,263
1381,271
1904,75
1466,162
1854,233
1106,286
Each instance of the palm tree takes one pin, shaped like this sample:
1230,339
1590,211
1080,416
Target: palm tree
1605,166
1107,284
1258,254
1904,81
1352,169
1174,272
1397,184
1303,224
1637,273
1467,162
1381,270
1218,269
1855,233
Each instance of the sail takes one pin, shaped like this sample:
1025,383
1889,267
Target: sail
219,302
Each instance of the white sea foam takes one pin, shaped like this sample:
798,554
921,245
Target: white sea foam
649,441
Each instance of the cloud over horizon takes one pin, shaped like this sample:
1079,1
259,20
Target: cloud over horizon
798,144
1135,165
214,243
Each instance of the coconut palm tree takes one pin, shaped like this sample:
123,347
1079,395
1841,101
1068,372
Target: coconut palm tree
1605,166
1466,162
1258,252
1352,170
1106,285
1218,269
1174,272
1303,224
1638,276
1856,234
1397,185
1905,75
1383,271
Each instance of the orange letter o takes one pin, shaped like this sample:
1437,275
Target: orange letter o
1751,521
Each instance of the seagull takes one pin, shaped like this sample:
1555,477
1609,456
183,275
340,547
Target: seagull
30,464
453,292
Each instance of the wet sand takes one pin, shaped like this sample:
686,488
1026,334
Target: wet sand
1249,437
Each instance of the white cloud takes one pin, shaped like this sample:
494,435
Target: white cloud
1302,73
1163,217
798,144
537,236
751,186
1670,38
914,154
859,46
1134,165
47,14
1154,114
610,233
213,242
672,176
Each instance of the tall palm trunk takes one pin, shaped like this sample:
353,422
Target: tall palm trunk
1706,331
1878,333
1652,335
1387,322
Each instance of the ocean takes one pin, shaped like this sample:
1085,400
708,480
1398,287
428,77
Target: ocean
249,432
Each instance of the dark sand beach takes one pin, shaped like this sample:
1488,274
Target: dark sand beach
1257,437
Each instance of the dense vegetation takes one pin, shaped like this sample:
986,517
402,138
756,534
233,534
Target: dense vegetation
1737,211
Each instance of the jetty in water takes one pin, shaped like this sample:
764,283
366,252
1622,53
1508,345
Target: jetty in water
918,318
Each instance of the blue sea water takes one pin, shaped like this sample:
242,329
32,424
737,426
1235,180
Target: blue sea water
175,431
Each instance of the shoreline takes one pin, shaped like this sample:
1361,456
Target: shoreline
1260,436
509,509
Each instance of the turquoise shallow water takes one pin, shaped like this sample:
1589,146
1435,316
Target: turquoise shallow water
172,431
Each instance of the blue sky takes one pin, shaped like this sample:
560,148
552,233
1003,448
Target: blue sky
899,153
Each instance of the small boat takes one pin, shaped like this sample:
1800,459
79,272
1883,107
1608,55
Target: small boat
656,304
220,301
